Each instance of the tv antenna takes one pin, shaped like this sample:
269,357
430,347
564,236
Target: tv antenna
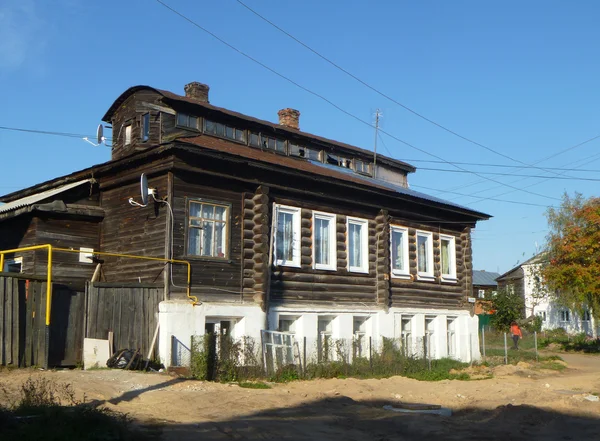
378,115
100,139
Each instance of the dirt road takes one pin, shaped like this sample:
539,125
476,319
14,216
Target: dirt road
519,403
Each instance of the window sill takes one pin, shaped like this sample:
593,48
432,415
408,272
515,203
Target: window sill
324,268
425,277
288,264
191,129
358,270
208,259
401,276
449,279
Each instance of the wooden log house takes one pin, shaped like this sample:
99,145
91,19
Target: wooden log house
284,230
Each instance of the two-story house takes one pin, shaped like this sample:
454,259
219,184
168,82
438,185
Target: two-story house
283,229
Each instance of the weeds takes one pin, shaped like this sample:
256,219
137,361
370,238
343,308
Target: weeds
48,410
253,385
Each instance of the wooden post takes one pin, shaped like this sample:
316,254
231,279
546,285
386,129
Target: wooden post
536,348
505,350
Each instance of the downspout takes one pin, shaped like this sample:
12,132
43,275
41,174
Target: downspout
270,266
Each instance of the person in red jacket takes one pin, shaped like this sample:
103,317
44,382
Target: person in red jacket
516,334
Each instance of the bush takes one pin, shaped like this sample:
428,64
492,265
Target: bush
49,411
507,307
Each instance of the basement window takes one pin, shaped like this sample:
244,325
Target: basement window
187,121
208,229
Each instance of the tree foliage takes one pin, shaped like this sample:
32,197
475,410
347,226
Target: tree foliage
574,252
506,307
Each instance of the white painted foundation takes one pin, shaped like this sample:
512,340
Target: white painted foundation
179,321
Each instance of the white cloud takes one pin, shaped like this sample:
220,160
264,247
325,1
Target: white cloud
21,34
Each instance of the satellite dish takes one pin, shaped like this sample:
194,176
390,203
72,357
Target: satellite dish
100,134
144,188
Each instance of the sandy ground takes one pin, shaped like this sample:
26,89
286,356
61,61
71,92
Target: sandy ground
518,403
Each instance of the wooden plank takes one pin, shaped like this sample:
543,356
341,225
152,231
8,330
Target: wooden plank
14,293
29,323
41,325
2,320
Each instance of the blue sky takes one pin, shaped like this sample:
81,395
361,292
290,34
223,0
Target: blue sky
518,77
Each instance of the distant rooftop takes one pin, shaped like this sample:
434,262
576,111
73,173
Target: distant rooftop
485,278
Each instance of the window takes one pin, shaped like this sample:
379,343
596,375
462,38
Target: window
127,135
254,139
494,293
429,337
399,252
565,315
287,236
542,315
585,315
145,127
406,334
224,131
13,265
510,289
337,160
424,255
208,229
324,241
448,258
481,293
277,145
451,336
304,152
358,253
360,346
362,167
287,324
187,121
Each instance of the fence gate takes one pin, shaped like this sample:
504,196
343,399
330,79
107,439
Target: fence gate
129,310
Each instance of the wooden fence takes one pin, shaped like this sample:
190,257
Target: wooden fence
130,311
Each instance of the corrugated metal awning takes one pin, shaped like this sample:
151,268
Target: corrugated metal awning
32,199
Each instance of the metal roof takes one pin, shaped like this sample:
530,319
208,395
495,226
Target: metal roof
485,278
38,197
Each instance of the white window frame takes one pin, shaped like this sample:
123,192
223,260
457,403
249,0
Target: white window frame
296,235
127,135
426,275
565,316
481,293
332,251
189,228
364,244
450,277
402,273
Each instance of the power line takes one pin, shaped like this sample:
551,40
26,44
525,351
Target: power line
470,196
478,164
374,89
567,178
331,103
46,132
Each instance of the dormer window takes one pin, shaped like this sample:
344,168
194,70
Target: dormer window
304,152
362,167
254,139
127,140
224,131
277,145
187,121
145,127
337,160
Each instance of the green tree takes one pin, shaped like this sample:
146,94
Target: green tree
573,271
506,307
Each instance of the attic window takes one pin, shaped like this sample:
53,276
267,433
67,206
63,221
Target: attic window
224,131
362,167
145,127
304,152
187,121
127,135
254,139
13,265
337,160
277,145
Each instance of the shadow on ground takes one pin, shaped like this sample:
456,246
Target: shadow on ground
342,418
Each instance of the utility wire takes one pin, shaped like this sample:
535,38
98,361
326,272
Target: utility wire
567,178
478,164
377,91
46,132
331,103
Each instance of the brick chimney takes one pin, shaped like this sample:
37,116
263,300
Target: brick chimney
197,91
289,118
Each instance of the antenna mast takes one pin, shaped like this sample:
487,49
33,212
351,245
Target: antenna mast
377,115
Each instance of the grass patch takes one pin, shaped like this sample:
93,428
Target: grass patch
552,365
253,385
49,411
